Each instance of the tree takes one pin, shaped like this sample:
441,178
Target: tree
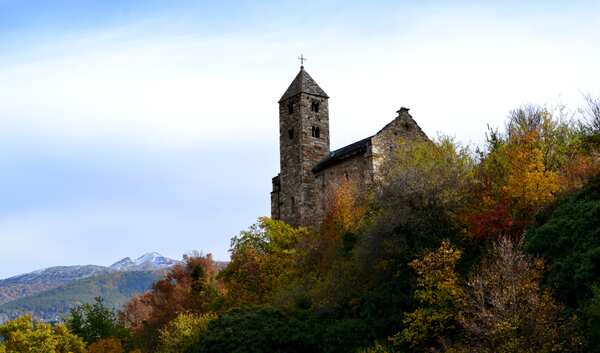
262,261
94,322
106,345
505,311
189,287
181,333
439,297
24,335
523,169
567,235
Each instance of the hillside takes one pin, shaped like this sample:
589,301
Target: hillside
28,284
38,281
51,305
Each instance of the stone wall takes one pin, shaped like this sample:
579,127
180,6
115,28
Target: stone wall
387,140
301,196
300,151
357,171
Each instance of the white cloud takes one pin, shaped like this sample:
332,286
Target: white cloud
457,70
189,89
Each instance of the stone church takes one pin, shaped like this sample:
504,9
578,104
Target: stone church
309,169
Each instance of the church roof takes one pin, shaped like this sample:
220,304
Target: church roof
337,156
303,83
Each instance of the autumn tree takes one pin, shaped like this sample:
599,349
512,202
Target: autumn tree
505,310
188,287
523,168
439,296
181,333
25,335
106,345
262,260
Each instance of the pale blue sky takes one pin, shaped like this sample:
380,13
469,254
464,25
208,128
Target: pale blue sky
130,126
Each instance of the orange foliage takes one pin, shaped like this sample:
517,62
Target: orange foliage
190,287
345,212
108,345
515,184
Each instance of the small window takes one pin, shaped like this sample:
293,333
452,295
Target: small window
291,134
316,132
293,204
315,106
290,108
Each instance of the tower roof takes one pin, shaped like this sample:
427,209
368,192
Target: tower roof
303,83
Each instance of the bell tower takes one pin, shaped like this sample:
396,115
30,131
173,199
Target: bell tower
303,142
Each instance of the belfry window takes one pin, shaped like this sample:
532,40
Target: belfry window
316,132
291,134
290,108
315,106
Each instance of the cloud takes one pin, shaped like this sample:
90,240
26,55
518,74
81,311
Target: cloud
165,137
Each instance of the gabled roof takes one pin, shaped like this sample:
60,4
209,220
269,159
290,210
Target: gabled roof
337,156
303,83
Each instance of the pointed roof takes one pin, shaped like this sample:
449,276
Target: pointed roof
303,83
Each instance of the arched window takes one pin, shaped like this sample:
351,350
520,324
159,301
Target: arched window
316,132
290,108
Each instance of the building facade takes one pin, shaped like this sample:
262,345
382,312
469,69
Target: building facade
308,168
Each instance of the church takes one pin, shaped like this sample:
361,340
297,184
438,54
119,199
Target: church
308,168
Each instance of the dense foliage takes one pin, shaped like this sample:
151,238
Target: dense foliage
452,250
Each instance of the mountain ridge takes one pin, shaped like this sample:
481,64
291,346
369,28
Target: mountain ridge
32,283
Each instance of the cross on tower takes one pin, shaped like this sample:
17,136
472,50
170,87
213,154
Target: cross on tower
302,60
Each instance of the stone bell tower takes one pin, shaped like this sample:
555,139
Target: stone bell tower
303,142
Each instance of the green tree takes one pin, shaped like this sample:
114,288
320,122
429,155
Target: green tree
94,322
567,236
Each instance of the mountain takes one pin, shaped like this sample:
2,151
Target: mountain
48,292
147,262
41,280
53,304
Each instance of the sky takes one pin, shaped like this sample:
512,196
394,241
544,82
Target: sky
135,126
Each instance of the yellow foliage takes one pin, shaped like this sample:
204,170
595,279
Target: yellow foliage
183,331
529,183
25,335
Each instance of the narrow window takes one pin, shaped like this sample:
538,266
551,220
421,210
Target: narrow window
293,205
290,108
315,106
316,132
291,134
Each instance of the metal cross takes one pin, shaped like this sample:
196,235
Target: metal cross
302,60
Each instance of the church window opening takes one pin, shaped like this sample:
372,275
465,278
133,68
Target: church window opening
316,132
315,106
293,204
290,108
291,134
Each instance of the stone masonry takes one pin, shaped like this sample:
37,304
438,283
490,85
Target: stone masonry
309,170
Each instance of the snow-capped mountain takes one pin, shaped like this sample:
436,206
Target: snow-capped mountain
147,262
45,279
